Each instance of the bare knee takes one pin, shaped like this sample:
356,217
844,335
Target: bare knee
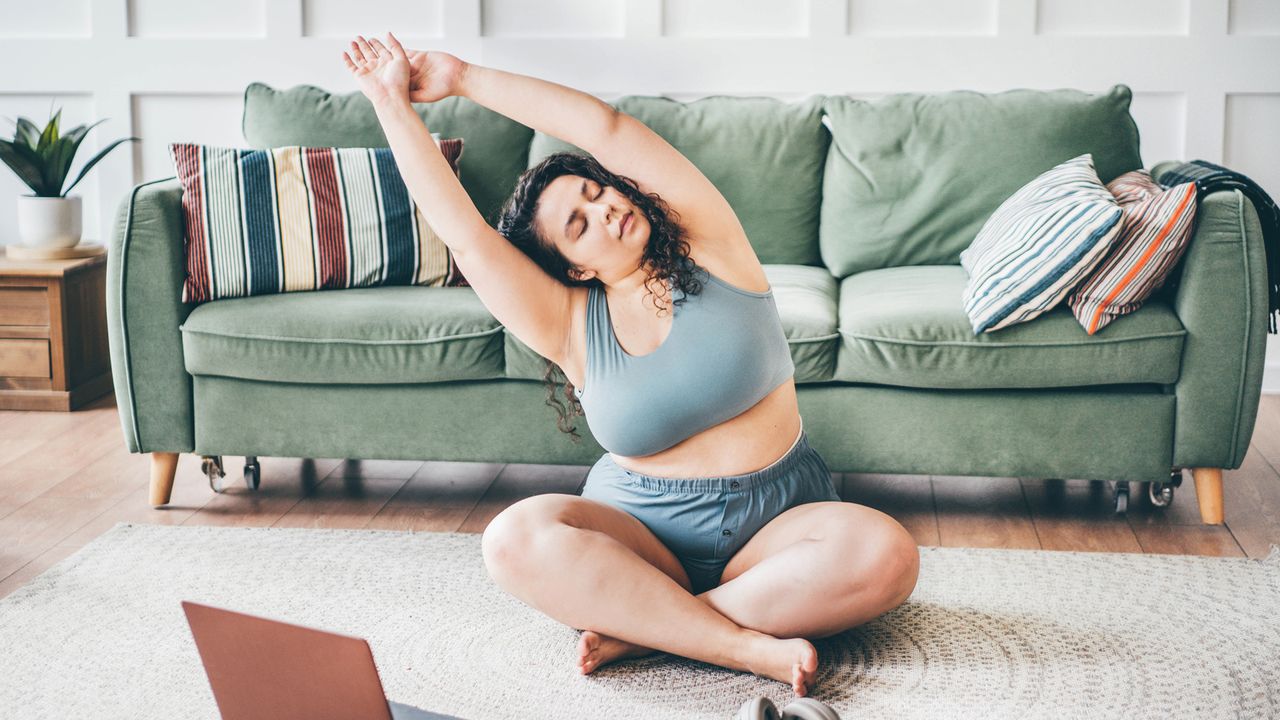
510,537
887,567
900,567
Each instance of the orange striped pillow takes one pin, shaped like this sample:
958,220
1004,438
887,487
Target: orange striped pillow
1156,229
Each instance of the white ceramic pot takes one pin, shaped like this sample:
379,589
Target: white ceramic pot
49,222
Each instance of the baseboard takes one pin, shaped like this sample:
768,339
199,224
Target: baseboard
1271,379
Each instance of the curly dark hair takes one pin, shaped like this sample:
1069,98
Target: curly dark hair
665,256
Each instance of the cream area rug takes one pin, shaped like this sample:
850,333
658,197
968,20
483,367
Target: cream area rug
987,634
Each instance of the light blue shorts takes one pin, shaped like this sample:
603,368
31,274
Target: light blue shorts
705,520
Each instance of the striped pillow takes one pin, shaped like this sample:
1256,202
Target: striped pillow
1157,228
297,218
1038,244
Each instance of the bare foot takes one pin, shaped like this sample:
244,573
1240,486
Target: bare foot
595,650
791,661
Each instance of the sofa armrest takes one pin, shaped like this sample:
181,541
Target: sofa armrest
146,262
1222,301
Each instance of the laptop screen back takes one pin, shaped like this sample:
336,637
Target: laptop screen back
260,668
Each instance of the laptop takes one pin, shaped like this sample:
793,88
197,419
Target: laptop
266,669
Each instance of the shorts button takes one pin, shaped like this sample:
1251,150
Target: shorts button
733,484
727,532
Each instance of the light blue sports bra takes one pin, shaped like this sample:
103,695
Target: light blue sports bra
725,351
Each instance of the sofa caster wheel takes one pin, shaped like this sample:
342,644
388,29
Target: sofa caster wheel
1122,496
211,466
252,472
1160,494
1175,477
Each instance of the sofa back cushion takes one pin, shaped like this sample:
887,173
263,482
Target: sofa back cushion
497,147
765,156
911,178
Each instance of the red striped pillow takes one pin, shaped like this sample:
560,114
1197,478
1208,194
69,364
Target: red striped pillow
297,218
1156,230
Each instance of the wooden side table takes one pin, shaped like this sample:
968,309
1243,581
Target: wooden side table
53,333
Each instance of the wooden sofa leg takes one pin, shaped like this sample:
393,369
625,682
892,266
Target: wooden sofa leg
1209,493
164,465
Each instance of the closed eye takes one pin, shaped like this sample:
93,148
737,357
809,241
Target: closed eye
584,217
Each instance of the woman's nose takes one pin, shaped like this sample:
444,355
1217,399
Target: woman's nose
608,209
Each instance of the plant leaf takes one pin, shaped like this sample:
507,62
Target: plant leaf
50,133
64,149
78,133
69,144
95,160
28,132
22,165
39,162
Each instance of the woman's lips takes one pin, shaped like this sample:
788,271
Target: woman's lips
626,224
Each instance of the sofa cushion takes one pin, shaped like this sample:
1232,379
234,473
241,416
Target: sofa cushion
907,326
806,301
763,154
379,335
1156,230
1038,245
294,219
910,178
497,146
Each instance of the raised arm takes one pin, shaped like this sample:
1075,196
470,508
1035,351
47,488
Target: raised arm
525,299
562,112
384,77
620,142
443,201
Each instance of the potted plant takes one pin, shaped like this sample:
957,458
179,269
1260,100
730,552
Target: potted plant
41,159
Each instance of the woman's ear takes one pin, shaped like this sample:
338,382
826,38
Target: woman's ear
581,275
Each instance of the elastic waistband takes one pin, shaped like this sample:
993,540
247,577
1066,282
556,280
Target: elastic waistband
726,483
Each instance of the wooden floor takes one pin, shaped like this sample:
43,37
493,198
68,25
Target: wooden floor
65,478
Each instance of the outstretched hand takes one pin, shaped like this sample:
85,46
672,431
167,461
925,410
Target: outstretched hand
435,75
382,72
391,72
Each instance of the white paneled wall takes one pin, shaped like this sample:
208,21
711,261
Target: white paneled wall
923,17
162,118
1205,73
1094,18
549,19
406,18
203,20
735,18
51,18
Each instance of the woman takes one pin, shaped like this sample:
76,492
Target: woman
711,529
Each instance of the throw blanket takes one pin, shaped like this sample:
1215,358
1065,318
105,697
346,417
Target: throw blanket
1209,177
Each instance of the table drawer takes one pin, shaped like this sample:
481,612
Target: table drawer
24,358
24,306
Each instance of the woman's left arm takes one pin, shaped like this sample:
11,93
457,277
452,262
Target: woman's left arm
622,143
563,112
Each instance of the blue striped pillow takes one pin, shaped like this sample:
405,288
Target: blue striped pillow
297,218
1038,245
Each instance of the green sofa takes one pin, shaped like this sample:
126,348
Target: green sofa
858,211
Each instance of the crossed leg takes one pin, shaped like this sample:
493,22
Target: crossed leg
813,571
818,569
597,568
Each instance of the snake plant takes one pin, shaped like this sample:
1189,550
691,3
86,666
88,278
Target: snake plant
41,159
